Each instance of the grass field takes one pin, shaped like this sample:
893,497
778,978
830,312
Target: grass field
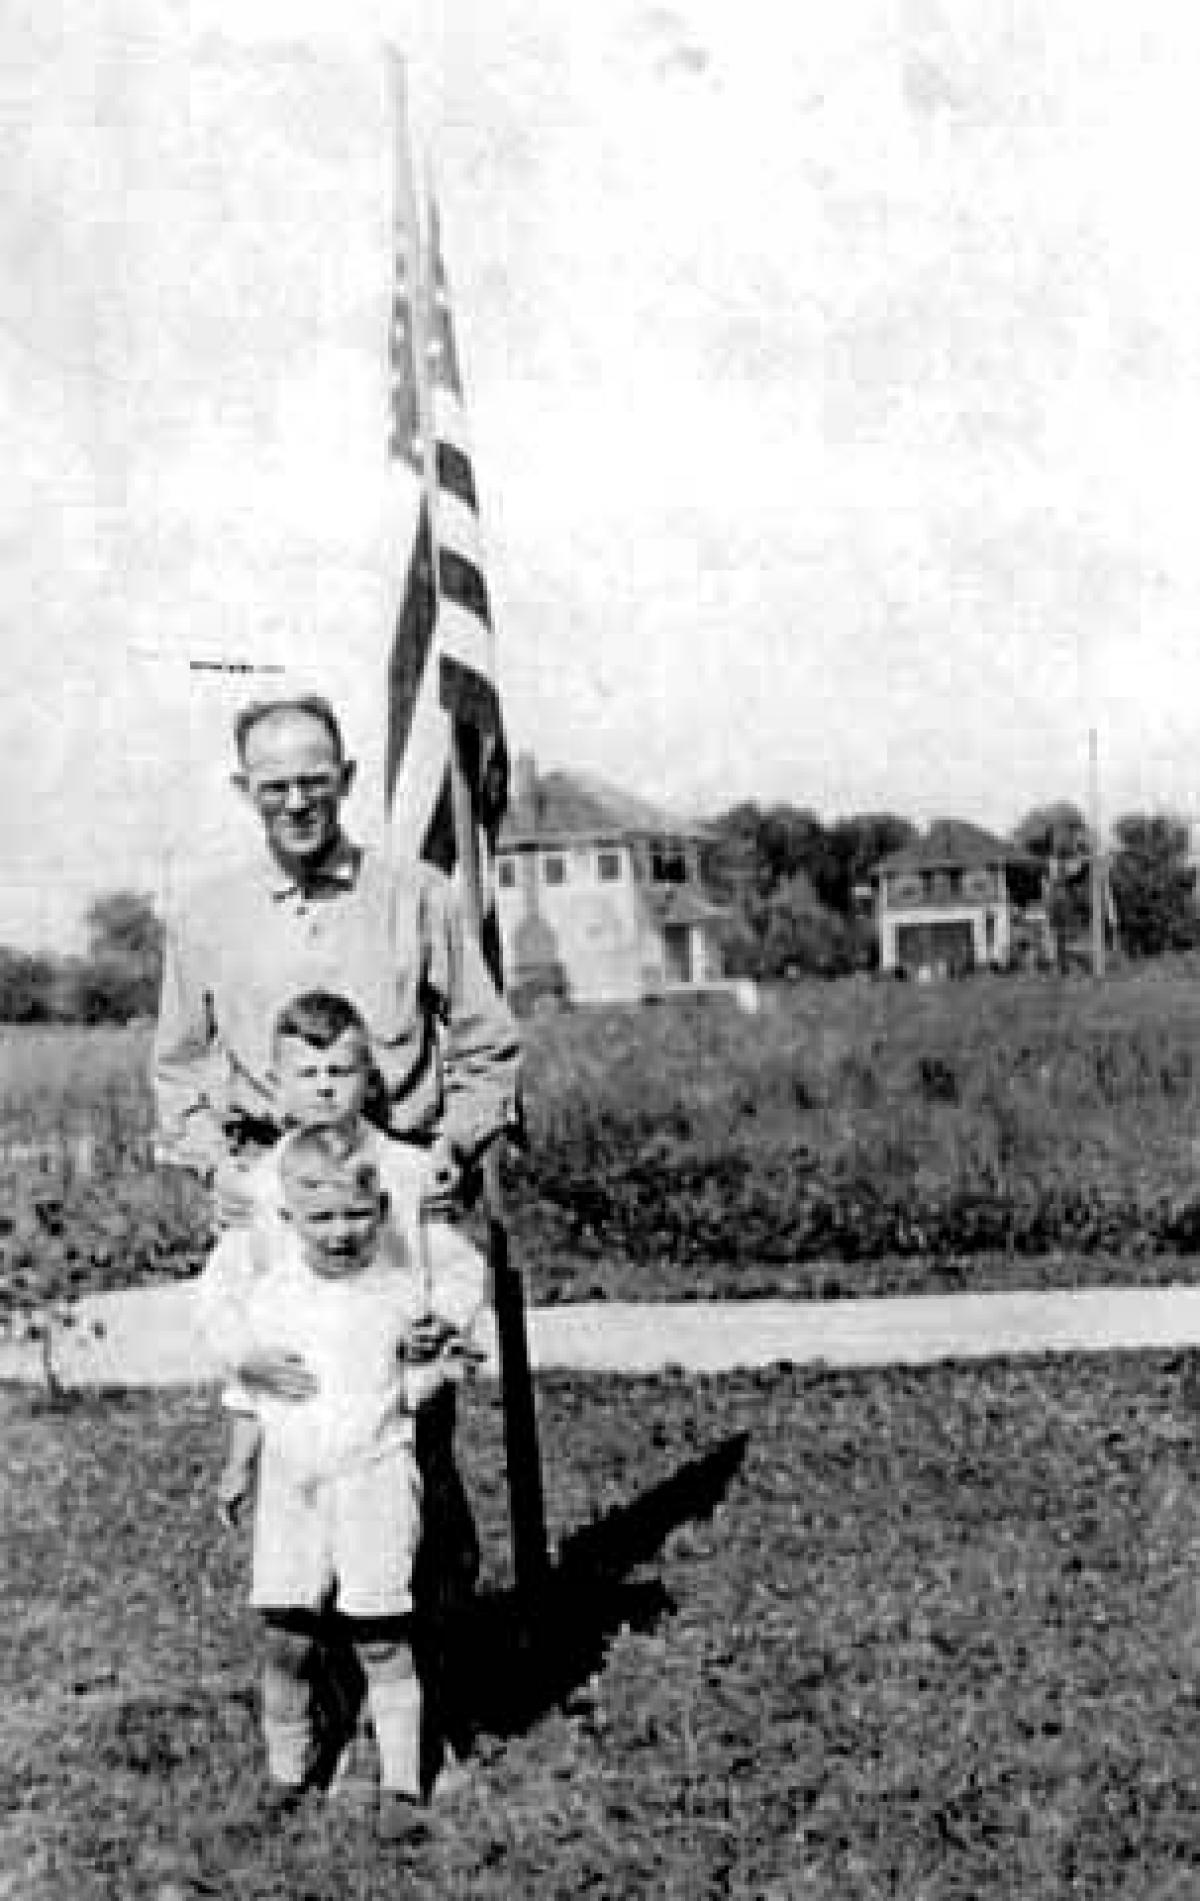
925,1634
852,1138
928,1634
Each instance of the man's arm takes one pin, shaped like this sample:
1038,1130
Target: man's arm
188,1123
481,1052
222,1305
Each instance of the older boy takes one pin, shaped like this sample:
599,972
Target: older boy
322,1073
327,1340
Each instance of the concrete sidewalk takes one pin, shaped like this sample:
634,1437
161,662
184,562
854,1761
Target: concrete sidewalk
151,1336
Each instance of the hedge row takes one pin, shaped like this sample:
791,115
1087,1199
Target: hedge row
731,1207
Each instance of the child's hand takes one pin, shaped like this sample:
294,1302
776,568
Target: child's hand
282,1375
423,1383
424,1339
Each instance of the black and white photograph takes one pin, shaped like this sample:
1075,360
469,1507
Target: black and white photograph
599,951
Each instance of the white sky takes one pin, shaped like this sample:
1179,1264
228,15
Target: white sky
835,384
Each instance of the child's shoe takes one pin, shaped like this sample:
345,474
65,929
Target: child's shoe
281,1799
453,1776
401,1820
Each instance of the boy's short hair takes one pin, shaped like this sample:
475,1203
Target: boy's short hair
312,705
321,1158
318,1018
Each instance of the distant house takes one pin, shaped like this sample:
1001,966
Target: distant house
599,895
953,901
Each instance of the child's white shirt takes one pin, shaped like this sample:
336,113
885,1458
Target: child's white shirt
350,1333
453,1270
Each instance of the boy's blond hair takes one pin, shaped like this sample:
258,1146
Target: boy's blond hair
321,1158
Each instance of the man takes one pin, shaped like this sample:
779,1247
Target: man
319,910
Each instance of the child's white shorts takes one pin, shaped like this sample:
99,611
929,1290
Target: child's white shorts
349,1542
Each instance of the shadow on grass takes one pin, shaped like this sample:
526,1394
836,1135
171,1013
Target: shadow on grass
512,1663
521,1661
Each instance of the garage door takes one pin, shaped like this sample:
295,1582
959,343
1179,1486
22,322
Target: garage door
944,948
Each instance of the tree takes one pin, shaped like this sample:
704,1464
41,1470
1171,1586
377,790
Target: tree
1058,836
802,935
731,862
859,843
27,986
1055,831
792,840
1153,885
119,978
124,928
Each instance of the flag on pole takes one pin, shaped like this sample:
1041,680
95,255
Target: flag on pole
441,672
446,763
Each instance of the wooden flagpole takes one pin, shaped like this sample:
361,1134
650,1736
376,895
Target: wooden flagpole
527,1516
523,1466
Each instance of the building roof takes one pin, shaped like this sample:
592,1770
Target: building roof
952,844
578,806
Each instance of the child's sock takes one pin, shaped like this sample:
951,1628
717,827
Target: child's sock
289,1749
287,1710
396,1713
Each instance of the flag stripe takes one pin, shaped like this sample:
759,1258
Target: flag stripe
455,475
466,694
458,529
462,639
442,696
438,844
462,583
410,653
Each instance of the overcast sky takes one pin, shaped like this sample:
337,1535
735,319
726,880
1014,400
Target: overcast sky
834,374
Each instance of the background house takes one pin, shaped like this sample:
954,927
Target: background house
598,894
953,901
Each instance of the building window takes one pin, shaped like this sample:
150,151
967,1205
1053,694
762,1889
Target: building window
907,889
945,885
608,867
506,874
554,868
668,865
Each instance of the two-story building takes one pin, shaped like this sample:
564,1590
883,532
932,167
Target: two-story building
948,902
598,894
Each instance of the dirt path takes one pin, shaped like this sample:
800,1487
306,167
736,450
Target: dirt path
151,1337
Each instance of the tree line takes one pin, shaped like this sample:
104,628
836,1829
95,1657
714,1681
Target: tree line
796,891
116,979
800,901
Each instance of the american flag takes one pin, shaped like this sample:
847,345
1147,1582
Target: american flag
441,674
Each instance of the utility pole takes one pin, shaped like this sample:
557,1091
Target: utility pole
1095,856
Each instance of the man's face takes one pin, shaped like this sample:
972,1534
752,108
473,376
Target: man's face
337,1221
295,780
322,1088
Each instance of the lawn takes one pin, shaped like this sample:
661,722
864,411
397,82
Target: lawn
811,1636
851,1138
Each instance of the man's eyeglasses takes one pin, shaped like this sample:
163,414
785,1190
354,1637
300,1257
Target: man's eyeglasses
271,795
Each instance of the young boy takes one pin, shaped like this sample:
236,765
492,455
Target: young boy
326,1340
322,1071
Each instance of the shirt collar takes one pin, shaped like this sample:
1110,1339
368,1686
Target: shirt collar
339,872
